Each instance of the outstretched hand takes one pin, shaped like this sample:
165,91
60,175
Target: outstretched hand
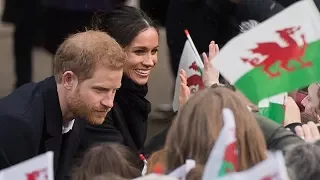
210,74
184,91
308,132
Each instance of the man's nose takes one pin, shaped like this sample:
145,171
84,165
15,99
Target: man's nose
107,102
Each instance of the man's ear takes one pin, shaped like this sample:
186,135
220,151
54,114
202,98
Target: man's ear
69,80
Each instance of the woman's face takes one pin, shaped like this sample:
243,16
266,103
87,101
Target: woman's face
311,101
142,55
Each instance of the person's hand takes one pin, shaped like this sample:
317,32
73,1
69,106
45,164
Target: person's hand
309,132
292,112
184,91
210,74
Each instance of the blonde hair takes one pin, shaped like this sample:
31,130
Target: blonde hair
195,173
83,52
110,158
198,124
157,157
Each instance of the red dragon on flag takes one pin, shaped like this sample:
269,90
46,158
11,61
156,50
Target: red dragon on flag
195,80
40,174
275,53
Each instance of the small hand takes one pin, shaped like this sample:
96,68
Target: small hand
210,74
184,91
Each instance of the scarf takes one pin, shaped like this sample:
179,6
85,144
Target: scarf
135,109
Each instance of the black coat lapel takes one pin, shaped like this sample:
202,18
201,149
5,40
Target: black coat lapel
53,119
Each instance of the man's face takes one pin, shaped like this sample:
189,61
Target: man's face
93,98
311,101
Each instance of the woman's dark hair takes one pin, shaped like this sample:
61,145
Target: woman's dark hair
123,24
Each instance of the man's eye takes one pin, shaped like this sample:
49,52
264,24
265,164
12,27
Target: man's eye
115,90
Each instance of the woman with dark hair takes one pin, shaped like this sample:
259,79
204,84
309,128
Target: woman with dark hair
126,123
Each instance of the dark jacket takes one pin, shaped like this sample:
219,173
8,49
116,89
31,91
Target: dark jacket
261,10
276,136
209,20
83,5
22,11
204,24
31,124
156,9
71,16
126,123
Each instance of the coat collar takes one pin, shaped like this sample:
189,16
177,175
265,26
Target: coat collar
53,114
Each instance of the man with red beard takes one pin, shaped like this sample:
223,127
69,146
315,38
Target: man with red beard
45,116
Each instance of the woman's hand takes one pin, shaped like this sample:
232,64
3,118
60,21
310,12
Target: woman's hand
210,74
309,132
184,91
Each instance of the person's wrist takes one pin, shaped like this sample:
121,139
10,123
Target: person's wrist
292,126
214,85
210,83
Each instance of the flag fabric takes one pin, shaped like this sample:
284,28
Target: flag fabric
182,171
37,168
189,62
154,176
273,107
223,158
273,168
278,55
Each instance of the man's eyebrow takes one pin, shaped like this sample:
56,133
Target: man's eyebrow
104,88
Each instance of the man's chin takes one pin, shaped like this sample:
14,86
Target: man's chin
96,121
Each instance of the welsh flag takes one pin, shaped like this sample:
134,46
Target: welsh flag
182,171
279,55
273,168
223,158
191,62
273,107
37,168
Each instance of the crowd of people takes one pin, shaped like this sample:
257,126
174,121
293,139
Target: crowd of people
93,112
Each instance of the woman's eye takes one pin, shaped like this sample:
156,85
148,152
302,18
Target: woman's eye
139,52
154,51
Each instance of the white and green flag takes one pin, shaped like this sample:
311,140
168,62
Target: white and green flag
37,168
273,107
193,65
279,55
273,168
223,158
